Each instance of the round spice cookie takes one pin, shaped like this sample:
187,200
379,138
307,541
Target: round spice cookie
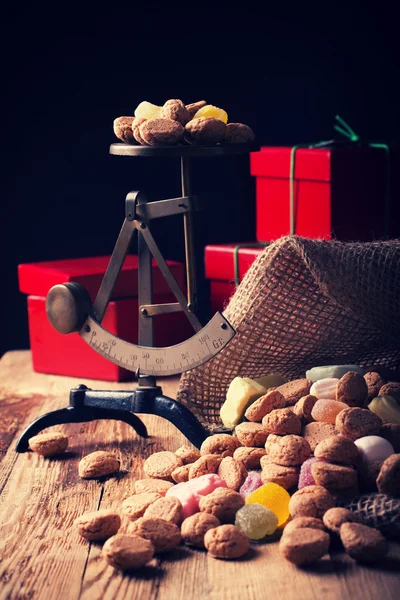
304,406
194,528
294,390
355,423
304,546
338,479
181,474
289,451
161,132
301,522
194,107
127,552
221,444
223,503
177,111
374,383
188,454
314,433
123,129
160,486
282,421
160,465
249,457
98,464
392,388
339,450
311,501
391,433
136,123
169,509
239,133
364,544
205,131
368,474
388,481
226,541
334,518
48,444
251,434
352,389
205,465
164,535
136,505
98,525
264,405
232,472
286,477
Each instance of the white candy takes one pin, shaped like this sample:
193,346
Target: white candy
317,373
241,393
325,388
374,447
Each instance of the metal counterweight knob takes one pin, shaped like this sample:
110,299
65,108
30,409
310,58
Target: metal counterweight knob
68,306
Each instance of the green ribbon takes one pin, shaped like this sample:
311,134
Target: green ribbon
236,256
345,129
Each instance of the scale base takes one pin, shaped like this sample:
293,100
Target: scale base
90,405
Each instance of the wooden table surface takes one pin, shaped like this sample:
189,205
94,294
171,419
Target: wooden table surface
42,556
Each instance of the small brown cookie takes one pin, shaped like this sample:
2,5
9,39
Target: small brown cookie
271,440
188,454
177,111
339,450
301,522
160,486
205,131
310,501
364,544
289,451
223,503
304,406
123,129
391,433
194,528
294,390
221,444
162,534
136,505
98,525
232,472
392,388
194,107
337,479
239,133
251,434
249,457
282,421
314,433
205,465
169,509
374,383
160,465
49,444
355,423
368,474
304,546
388,481
137,121
127,552
226,541
98,464
161,132
335,517
286,477
181,474
352,389
264,405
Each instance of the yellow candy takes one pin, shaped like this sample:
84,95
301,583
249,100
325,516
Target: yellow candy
146,110
213,112
241,392
274,497
386,408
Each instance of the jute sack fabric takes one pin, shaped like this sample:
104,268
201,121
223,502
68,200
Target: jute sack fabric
304,303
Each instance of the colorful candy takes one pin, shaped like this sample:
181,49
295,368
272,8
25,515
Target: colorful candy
212,111
252,483
146,110
256,521
326,411
306,478
374,447
274,497
325,388
190,492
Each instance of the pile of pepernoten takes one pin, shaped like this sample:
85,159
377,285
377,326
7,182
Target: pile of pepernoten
299,451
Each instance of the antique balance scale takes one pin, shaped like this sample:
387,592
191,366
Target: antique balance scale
69,309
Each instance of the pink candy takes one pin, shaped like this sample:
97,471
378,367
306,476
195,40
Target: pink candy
253,481
306,477
190,492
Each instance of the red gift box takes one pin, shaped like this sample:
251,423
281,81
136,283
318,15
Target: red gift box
220,269
339,192
59,354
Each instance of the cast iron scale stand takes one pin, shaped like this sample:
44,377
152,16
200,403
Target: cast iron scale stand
69,309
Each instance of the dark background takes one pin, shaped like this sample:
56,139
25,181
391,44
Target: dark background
69,70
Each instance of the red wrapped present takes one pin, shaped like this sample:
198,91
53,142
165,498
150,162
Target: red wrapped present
59,354
225,267
339,192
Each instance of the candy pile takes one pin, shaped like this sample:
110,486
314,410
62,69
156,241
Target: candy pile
175,123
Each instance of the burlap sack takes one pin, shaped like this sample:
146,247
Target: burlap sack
305,303
376,510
